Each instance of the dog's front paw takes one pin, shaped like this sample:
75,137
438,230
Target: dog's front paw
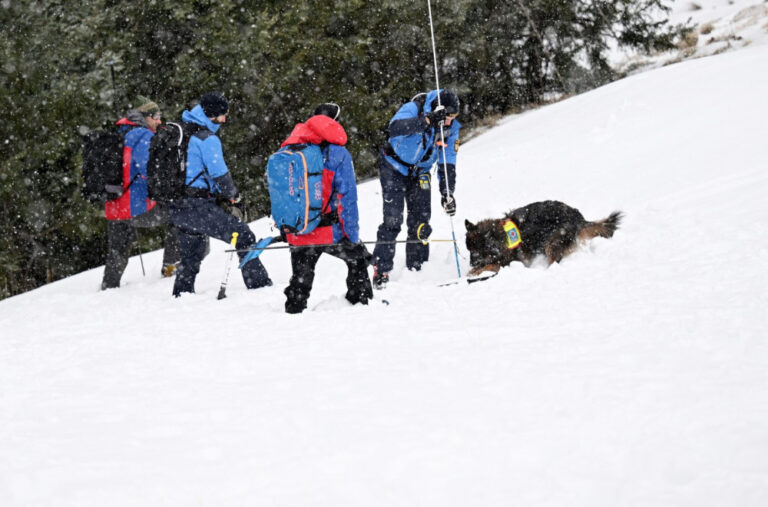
489,268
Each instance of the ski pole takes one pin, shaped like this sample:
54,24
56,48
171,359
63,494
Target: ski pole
442,136
138,246
227,268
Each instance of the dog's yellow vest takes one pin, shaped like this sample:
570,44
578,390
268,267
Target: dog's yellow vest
513,234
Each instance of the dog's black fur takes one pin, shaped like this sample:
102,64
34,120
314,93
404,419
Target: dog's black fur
549,228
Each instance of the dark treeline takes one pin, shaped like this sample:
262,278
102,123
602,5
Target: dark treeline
274,60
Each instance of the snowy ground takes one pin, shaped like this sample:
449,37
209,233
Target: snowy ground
633,373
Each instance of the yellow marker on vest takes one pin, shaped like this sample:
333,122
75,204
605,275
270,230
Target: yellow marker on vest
513,234
234,238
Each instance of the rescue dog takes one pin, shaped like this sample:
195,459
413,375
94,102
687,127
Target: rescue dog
549,228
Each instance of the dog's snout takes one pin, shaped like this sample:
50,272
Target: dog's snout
474,259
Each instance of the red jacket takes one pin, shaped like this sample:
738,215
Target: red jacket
316,130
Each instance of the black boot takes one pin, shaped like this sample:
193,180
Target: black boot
295,306
380,279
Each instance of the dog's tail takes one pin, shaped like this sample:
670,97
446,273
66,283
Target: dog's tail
603,228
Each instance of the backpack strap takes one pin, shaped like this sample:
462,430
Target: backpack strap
123,133
188,131
420,100
131,183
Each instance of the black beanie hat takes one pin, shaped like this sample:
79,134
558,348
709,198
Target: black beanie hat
214,104
449,100
329,109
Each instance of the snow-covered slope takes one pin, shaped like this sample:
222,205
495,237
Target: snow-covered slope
633,373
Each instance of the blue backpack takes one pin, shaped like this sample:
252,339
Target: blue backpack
295,182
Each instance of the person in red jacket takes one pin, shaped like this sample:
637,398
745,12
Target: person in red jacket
134,208
338,231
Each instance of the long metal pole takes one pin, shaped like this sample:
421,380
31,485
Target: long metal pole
395,242
442,136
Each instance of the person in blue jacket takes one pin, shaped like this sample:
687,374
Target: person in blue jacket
338,231
413,147
133,208
196,215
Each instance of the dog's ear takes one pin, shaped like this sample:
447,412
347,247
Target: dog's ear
469,226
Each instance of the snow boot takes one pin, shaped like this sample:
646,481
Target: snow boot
168,270
380,279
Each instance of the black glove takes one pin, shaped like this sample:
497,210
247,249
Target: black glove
449,205
437,117
367,256
284,232
235,207
238,211
355,250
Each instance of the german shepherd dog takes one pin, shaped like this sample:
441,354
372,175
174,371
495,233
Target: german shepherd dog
549,228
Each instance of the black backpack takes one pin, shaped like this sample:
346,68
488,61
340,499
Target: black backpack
167,166
102,166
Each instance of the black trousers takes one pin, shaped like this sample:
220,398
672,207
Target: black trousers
197,219
303,262
398,192
121,235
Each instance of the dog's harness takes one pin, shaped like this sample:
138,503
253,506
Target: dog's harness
513,234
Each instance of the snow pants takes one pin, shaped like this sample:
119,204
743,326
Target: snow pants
121,235
303,262
399,191
198,218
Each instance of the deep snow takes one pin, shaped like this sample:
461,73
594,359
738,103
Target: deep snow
633,373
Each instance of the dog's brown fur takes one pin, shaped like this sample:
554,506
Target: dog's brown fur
549,228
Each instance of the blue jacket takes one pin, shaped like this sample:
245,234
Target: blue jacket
134,200
344,201
206,168
413,140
